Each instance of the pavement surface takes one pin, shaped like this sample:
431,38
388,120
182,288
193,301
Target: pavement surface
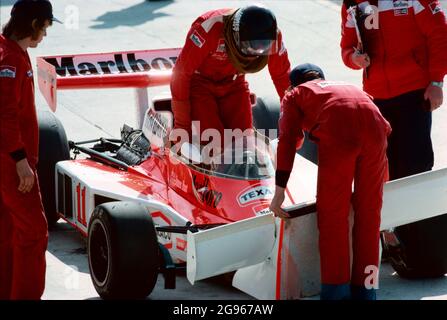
311,32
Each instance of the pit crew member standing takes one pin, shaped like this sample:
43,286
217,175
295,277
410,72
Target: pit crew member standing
208,82
404,62
352,138
23,227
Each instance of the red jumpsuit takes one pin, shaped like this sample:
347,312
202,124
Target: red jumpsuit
23,226
407,47
352,138
205,85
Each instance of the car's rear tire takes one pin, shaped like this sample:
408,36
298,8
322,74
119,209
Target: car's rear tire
422,249
53,147
123,253
266,114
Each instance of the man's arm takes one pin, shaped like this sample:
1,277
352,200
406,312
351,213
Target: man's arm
349,40
291,137
196,49
11,80
279,68
432,22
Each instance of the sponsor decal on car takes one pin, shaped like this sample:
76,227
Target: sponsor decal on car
255,193
160,219
261,209
204,192
117,63
7,72
263,212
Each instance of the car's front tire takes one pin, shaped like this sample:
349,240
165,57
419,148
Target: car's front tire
123,253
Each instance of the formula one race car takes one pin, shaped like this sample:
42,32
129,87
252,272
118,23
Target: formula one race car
148,210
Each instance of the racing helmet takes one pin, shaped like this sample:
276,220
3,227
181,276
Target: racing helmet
255,31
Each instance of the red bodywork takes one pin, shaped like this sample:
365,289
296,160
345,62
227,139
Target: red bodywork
199,197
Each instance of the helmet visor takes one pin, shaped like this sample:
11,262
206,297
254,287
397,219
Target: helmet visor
259,47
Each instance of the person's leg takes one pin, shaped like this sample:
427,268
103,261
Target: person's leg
235,108
6,233
335,175
410,149
30,237
236,114
204,107
370,175
409,152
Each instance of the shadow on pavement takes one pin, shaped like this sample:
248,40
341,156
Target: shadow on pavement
132,16
7,2
67,245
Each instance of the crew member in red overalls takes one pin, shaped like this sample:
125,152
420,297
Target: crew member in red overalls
352,138
23,227
208,82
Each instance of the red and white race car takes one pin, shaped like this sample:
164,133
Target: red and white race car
147,210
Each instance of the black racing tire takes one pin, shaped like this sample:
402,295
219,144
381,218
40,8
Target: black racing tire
123,253
53,147
423,249
266,114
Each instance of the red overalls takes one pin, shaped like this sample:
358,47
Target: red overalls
23,226
407,44
352,138
205,85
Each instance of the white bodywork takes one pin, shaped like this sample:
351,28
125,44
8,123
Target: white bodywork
230,247
292,268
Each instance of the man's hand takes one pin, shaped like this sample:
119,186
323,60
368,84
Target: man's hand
276,203
361,60
435,95
26,176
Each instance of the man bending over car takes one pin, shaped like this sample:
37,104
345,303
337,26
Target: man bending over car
352,138
208,82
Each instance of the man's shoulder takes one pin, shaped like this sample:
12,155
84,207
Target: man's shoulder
212,20
10,57
9,52
215,13
11,63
